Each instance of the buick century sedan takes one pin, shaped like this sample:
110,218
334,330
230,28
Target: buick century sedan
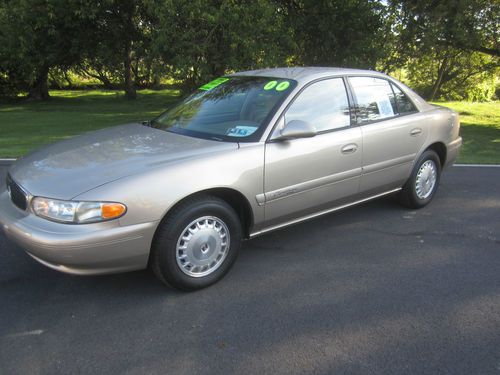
245,154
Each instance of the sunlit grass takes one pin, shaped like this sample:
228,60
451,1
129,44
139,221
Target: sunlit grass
25,126
480,130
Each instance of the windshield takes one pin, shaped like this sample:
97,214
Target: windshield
227,109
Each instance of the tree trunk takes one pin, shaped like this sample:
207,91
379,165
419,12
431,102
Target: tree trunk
39,90
105,81
53,82
68,79
130,92
100,75
156,81
439,81
147,74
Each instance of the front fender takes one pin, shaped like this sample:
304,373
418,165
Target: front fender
150,195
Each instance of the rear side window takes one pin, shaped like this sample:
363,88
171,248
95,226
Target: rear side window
375,99
323,104
402,102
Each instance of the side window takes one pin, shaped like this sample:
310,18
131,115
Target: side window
375,99
403,103
323,104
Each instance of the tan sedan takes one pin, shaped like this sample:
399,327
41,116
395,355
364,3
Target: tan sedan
243,155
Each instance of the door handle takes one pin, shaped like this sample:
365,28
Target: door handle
349,149
415,132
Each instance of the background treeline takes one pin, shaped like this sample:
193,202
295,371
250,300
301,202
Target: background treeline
444,49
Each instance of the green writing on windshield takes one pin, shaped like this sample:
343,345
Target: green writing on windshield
213,84
270,85
282,86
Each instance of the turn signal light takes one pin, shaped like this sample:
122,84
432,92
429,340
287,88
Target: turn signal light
112,210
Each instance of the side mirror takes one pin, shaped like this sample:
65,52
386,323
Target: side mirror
296,129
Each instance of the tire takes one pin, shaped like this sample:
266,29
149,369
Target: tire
196,244
418,191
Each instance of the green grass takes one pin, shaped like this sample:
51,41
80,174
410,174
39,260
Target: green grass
480,130
25,125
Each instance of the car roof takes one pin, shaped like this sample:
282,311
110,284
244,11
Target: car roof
305,74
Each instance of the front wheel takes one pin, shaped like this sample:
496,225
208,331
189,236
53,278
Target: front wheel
196,245
420,188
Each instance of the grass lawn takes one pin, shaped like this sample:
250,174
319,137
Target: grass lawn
480,130
25,126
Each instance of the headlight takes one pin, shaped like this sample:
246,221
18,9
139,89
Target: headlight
76,212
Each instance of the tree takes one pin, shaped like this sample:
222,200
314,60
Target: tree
200,39
129,43
117,36
37,35
471,25
335,32
443,45
448,73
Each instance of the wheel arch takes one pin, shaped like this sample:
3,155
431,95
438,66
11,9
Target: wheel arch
232,197
440,149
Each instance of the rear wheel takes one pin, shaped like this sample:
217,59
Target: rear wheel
420,188
196,245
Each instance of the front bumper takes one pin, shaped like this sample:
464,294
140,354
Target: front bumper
85,249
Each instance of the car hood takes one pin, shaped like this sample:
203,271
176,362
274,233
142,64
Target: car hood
74,166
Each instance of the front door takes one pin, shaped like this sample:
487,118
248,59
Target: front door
308,175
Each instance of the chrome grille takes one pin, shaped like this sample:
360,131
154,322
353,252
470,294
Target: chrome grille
17,194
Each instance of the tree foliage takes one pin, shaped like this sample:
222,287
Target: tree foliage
453,74
448,49
200,40
37,35
471,25
336,32
121,38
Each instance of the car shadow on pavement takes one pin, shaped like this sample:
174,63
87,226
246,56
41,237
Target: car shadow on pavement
19,268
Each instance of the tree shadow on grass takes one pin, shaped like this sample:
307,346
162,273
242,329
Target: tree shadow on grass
481,144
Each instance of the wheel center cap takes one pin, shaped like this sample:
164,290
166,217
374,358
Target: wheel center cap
205,248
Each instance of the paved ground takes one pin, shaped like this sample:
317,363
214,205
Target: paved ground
375,289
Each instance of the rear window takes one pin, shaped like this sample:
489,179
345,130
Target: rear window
403,104
374,97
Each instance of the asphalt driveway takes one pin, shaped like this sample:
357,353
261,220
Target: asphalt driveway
375,289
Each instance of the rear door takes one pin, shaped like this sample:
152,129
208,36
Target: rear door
391,130
307,175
